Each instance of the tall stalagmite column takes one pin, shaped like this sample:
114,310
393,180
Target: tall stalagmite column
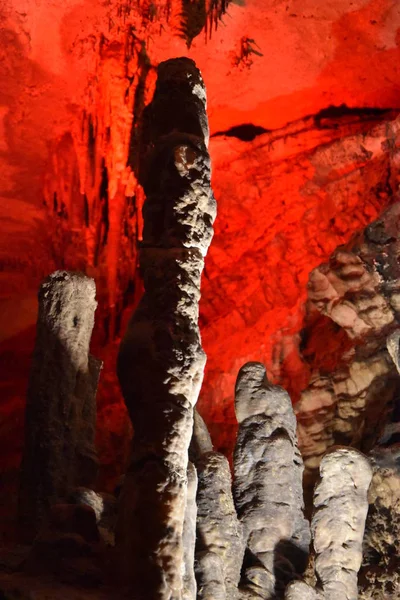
161,361
59,450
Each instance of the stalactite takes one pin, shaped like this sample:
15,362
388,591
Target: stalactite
161,362
59,448
268,486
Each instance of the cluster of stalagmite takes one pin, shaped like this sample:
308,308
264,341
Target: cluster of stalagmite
161,361
185,530
59,452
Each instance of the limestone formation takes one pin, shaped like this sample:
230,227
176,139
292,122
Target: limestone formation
189,536
201,440
161,361
299,590
268,489
340,510
220,544
354,301
59,451
380,572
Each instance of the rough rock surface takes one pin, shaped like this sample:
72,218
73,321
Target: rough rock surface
59,451
298,590
219,547
292,197
380,572
268,488
189,535
161,361
354,302
340,510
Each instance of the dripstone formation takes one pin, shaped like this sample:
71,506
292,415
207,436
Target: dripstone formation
161,361
180,528
340,509
268,488
220,543
59,452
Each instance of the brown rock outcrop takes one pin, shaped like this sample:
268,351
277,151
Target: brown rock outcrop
161,361
59,452
354,302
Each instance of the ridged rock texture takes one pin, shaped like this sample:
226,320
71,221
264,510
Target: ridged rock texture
340,509
161,361
380,572
268,489
220,544
354,302
59,452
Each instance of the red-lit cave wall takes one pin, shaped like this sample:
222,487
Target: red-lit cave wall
303,98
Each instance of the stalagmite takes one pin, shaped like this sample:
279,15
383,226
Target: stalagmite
219,547
340,510
299,590
201,439
161,361
59,451
210,576
219,531
189,535
268,489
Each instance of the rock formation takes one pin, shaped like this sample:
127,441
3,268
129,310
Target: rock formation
161,361
189,536
354,301
380,572
340,509
59,451
219,547
268,488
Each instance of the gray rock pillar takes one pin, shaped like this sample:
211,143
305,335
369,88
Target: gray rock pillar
268,488
340,510
219,532
161,361
189,536
59,452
